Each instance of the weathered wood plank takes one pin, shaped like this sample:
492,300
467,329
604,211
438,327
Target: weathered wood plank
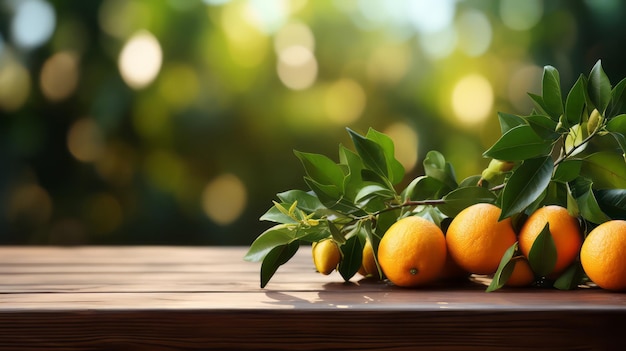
181,298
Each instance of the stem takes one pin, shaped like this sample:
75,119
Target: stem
565,155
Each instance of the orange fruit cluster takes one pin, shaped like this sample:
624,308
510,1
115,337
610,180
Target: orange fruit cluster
414,251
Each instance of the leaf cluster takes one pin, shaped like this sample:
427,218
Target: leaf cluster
569,151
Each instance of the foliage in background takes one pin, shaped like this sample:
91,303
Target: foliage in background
191,157
569,151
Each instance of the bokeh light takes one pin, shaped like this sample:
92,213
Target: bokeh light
344,102
472,99
140,60
297,67
521,15
85,140
224,199
33,23
59,76
174,121
475,33
15,84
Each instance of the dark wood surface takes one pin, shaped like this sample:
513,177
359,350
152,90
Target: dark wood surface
183,298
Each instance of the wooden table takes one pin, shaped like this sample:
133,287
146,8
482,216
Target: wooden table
183,298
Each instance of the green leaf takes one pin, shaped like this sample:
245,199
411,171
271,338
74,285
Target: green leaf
555,194
372,154
276,215
518,144
385,220
336,233
306,201
352,252
612,202
567,170
575,103
539,103
586,201
617,128
394,167
321,169
373,190
617,99
331,197
599,88
435,166
607,169
470,181
505,269
353,180
461,198
509,121
542,255
276,258
432,214
525,185
425,187
617,124
551,91
571,278
273,237
543,126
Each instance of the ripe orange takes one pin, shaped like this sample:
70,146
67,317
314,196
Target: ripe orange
412,252
522,274
603,255
565,232
326,256
477,240
368,263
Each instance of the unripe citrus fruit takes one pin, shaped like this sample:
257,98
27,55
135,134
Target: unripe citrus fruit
522,274
603,255
564,229
368,264
326,256
412,252
477,240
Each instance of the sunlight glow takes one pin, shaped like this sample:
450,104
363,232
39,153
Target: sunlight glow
344,102
140,60
472,99
224,199
297,67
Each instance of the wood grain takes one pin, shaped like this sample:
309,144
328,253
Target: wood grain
190,298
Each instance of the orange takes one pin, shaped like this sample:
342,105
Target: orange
603,255
565,232
368,263
326,256
522,274
412,252
477,240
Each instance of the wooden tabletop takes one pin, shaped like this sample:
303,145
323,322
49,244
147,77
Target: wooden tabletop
201,298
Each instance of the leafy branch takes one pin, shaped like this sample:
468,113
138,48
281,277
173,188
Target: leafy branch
567,152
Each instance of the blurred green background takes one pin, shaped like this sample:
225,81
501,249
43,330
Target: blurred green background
174,121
